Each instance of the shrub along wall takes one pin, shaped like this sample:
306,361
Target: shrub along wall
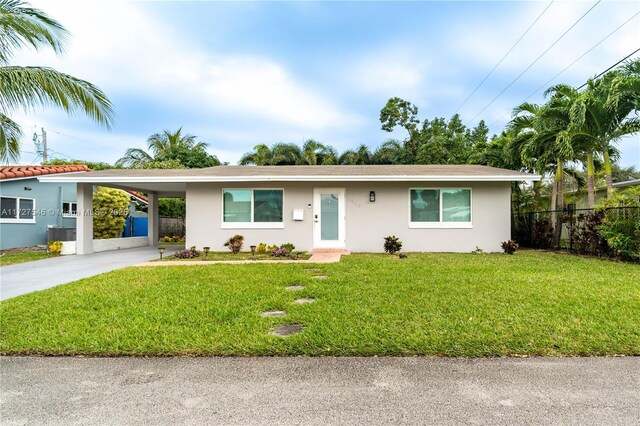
110,208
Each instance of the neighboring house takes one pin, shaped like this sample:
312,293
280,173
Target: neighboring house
29,207
581,200
450,208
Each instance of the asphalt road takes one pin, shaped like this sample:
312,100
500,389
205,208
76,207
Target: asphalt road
244,391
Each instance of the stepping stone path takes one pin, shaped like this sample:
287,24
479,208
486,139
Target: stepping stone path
274,314
287,329
320,276
295,288
304,300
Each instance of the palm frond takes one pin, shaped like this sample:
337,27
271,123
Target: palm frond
22,25
28,87
10,135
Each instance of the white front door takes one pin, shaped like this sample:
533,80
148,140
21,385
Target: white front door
329,218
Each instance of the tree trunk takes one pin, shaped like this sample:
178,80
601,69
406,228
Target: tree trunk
607,173
554,199
591,181
557,230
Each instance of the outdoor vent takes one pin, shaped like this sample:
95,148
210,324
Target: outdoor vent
61,234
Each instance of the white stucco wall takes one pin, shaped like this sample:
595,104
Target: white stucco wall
108,244
366,223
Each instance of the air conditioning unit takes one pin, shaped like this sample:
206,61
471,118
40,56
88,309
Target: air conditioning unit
55,233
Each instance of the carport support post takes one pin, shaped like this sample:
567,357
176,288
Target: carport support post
153,220
84,220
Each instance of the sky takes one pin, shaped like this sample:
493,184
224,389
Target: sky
240,74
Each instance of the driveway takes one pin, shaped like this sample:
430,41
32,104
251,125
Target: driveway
46,273
299,390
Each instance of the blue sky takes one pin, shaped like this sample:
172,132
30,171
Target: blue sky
239,74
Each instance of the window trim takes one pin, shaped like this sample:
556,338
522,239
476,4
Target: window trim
69,215
17,218
252,224
441,224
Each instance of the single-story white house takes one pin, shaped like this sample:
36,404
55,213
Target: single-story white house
448,208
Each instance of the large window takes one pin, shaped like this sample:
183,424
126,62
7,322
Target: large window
256,208
440,208
17,210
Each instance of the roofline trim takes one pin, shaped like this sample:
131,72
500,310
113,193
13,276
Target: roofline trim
365,178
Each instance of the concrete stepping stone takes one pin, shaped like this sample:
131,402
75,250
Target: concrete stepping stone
320,277
304,300
287,330
273,314
295,288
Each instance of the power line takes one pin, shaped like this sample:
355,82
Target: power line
574,62
86,141
504,57
578,59
534,62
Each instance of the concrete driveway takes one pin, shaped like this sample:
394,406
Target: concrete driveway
33,276
299,390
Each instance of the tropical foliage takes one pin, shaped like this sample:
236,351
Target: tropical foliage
110,208
25,88
170,150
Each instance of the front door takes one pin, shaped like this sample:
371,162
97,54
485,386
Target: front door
329,217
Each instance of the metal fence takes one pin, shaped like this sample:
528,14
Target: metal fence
572,229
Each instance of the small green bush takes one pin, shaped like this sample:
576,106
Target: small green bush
392,244
187,254
288,246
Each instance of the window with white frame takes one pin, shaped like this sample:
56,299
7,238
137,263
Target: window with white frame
69,209
255,208
440,208
17,210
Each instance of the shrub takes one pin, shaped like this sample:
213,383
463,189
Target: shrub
620,225
187,254
509,247
288,246
235,243
392,244
55,247
542,234
477,250
280,252
261,248
110,208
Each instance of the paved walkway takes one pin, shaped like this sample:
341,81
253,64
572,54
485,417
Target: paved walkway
42,274
298,390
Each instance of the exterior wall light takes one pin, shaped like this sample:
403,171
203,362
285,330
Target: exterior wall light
372,196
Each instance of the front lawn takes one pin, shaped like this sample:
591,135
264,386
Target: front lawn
532,303
13,256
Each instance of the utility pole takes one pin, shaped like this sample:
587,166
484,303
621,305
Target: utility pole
44,146
41,148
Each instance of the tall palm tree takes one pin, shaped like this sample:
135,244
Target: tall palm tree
286,154
25,88
601,115
260,156
361,155
162,146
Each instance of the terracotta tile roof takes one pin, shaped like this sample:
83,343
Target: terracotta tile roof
138,195
15,172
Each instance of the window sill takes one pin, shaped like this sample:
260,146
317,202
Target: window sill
18,221
251,225
69,216
440,225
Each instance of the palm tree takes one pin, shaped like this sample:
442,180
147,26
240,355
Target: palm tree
286,154
162,146
361,155
25,88
601,115
260,156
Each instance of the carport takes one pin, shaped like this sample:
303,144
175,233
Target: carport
155,183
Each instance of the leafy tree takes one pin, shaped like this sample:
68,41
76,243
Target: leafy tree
172,207
260,156
359,156
390,152
167,146
110,209
93,165
25,88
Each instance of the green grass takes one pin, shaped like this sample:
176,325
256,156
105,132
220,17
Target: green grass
227,255
532,303
20,256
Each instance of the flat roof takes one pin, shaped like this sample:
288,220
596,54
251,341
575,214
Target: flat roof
303,173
